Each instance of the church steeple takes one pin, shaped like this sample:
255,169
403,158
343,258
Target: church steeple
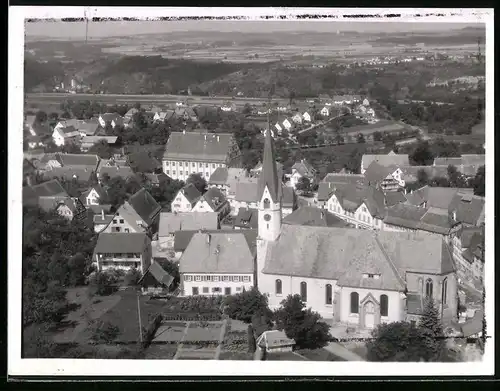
269,175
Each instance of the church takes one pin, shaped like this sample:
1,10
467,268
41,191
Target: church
351,276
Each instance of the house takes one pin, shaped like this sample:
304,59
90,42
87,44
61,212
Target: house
88,128
324,97
124,251
287,124
155,180
101,221
88,142
247,218
199,152
473,328
185,199
258,169
342,99
278,127
75,160
52,188
143,162
124,172
467,165
163,116
366,102
131,112
302,169
35,128
29,172
65,136
113,119
332,180
69,173
314,217
387,178
307,116
213,201
325,111
155,281
173,222
228,106
468,209
35,142
96,195
223,177
139,214
391,159
70,208
274,341
297,118
220,263
468,253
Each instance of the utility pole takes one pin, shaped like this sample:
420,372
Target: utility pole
86,26
139,315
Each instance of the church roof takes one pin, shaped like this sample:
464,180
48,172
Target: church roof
269,176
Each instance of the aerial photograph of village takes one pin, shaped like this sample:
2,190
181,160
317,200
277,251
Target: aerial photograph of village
246,190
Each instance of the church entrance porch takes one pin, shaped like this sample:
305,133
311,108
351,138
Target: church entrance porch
369,309
369,316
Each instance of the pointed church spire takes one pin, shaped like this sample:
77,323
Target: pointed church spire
269,174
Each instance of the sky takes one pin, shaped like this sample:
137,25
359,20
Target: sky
74,30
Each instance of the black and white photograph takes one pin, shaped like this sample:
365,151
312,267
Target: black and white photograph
250,185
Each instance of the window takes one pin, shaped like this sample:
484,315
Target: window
384,305
428,288
195,291
194,165
246,279
216,290
206,174
216,278
121,221
205,289
115,221
279,288
127,230
181,173
227,290
167,163
354,303
445,289
173,172
117,229
303,291
225,278
168,172
213,165
238,289
187,278
267,203
197,278
328,294
206,165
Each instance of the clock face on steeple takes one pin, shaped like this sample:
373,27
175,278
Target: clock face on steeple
267,217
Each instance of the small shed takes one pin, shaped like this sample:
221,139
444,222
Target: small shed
275,341
155,280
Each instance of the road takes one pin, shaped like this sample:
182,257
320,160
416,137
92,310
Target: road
123,98
318,124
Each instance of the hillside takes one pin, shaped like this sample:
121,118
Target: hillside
36,72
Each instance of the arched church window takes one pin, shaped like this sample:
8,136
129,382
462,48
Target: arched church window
279,288
328,293
444,294
354,303
303,291
267,203
384,305
428,288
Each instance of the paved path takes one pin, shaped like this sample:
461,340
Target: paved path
221,339
343,352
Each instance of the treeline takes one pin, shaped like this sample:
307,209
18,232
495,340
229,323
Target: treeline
37,72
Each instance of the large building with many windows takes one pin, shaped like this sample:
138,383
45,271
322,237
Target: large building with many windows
199,152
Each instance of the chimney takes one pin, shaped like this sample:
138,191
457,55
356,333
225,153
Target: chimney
208,239
217,138
184,131
102,213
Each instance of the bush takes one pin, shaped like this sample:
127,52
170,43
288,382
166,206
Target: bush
103,332
132,277
102,284
252,346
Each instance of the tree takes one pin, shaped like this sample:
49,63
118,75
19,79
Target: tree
197,181
41,117
132,277
246,304
422,177
102,284
103,332
397,341
302,325
251,340
377,136
360,138
478,182
78,267
36,343
247,109
422,155
303,184
101,149
455,177
432,333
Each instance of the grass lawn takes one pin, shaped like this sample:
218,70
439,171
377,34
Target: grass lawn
161,351
318,355
227,355
205,334
170,332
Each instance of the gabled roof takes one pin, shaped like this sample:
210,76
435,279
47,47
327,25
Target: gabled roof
69,131
95,139
143,162
48,203
376,173
116,171
191,193
333,181
109,117
145,205
289,198
198,146
246,191
473,326
220,252
304,168
268,178
311,216
156,179
214,198
98,209
332,253
79,173
386,160
469,208
189,221
219,176
121,243
274,339
71,159
50,188
438,197
131,112
159,275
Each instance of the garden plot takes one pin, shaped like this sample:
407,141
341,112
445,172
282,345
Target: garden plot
209,332
170,332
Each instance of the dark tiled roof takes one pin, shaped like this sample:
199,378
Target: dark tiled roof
145,205
189,221
98,209
48,203
247,218
70,159
120,243
197,146
386,160
469,208
116,171
157,179
191,193
219,176
69,173
159,274
214,198
474,325
311,216
304,168
51,188
376,172
246,191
